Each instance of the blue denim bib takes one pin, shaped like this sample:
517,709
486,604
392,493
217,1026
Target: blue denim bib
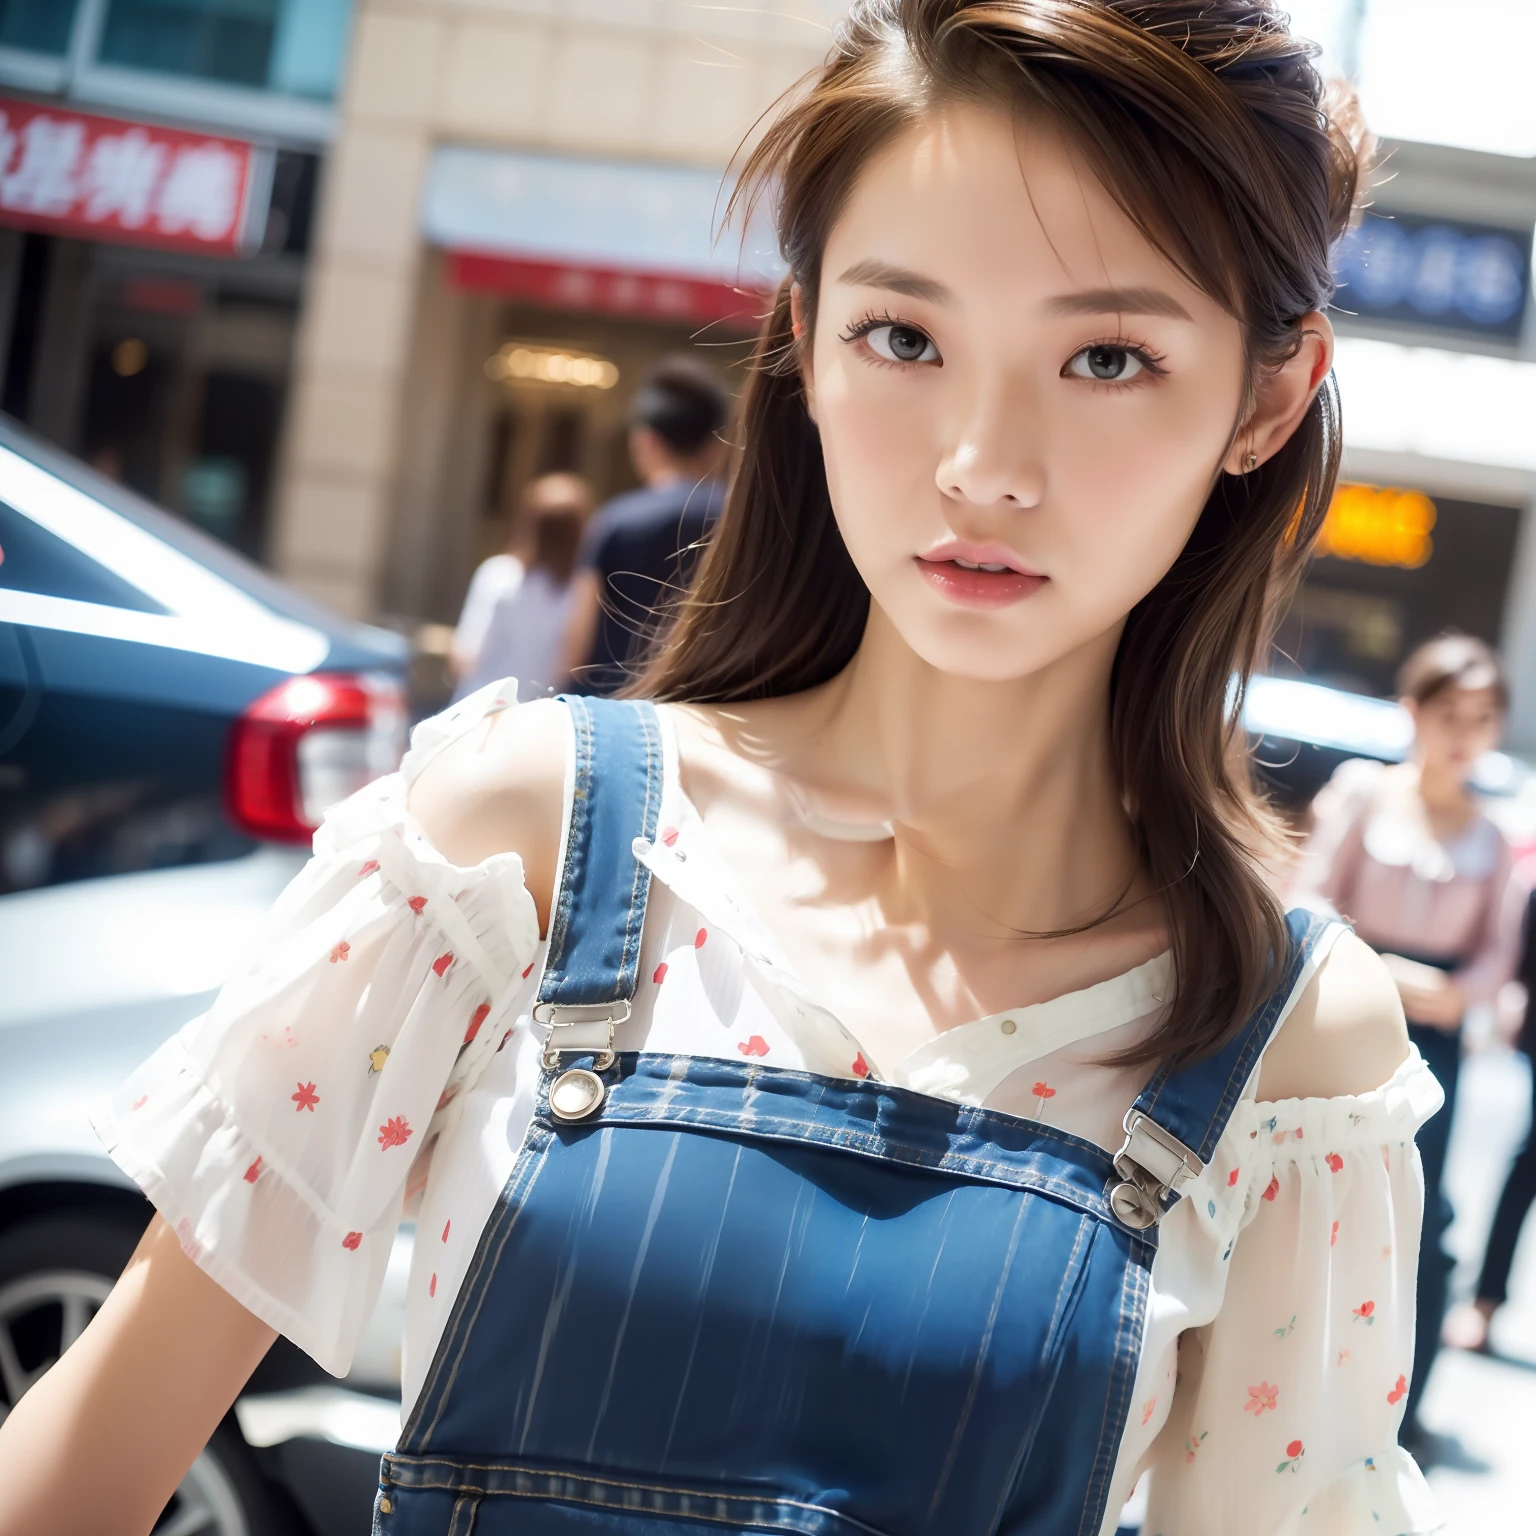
720,1296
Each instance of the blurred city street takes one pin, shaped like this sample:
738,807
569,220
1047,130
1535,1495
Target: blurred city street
1481,1408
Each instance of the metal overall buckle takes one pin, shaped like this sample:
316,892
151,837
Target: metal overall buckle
579,1029
1152,1165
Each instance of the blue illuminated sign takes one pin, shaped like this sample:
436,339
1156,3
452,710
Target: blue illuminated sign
1435,273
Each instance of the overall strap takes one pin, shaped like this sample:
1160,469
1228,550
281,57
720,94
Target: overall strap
594,930
1172,1129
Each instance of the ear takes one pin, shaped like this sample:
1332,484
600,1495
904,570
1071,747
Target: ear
801,332
1283,397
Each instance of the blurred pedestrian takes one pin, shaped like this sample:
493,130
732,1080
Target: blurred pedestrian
1408,854
1467,1326
494,578
526,627
642,547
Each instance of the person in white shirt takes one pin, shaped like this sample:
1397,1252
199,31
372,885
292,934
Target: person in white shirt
525,629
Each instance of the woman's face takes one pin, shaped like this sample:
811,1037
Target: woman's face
1454,727
1007,375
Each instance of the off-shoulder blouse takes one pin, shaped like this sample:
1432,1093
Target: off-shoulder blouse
380,1056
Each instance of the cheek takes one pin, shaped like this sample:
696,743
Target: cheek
879,455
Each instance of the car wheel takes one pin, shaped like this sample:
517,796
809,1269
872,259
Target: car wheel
55,1272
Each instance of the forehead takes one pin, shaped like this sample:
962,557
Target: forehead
983,201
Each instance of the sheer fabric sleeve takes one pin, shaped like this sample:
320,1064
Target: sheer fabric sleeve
1331,856
1285,1416
1497,949
275,1133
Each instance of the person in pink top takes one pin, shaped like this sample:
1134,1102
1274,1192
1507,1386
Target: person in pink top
1407,853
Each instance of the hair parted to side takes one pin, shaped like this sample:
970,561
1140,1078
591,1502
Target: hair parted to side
1452,660
1207,122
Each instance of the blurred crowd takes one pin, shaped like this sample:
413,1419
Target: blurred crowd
572,599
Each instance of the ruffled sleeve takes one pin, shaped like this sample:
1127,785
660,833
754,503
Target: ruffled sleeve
1287,1407
275,1133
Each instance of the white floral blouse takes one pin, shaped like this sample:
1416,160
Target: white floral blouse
285,1133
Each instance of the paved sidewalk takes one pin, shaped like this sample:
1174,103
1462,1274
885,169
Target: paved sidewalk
1482,1409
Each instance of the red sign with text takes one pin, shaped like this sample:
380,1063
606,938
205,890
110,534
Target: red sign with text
74,173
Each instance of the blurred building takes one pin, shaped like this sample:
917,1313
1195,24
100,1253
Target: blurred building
1437,363
158,172
517,219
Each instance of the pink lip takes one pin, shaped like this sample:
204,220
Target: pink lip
978,589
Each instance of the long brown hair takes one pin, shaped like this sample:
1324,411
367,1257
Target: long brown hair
1207,122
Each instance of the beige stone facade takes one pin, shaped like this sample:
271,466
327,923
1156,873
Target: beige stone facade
383,446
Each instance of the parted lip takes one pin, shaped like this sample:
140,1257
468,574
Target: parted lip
979,554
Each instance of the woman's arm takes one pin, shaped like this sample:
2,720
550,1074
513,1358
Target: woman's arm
99,1445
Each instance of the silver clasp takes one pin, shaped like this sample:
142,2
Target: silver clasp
581,1029
1152,1165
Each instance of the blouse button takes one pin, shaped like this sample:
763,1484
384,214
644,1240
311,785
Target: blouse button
1008,1026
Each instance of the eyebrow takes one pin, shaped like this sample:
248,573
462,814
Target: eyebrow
1117,301
881,274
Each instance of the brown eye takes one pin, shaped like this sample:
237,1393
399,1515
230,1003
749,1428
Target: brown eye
901,344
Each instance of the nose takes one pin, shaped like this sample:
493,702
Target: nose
993,460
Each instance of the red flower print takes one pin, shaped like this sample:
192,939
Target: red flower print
432,1286
1273,1188
442,962
1334,1161
756,1046
1232,1178
306,1097
860,1066
340,951
1399,1392
368,868
1147,1410
669,836
253,1172
1260,1398
1044,1091
394,1132
476,1019
351,1240
139,1102
1298,1133
659,975
1366,1312
1293,1455
446,1225
416,903
445,1098
1333,1236
699,937
1294,1448
1193,1444
528,970
502,1042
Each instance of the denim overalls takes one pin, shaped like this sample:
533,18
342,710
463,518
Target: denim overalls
716,1295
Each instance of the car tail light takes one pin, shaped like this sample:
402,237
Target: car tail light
308,743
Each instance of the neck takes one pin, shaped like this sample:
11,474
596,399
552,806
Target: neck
1441,788
1003,795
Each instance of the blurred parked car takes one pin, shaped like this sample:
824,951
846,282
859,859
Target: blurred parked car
173,722
1303,730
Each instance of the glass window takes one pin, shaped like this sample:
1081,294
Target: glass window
32,559
228,40
40,26
295,47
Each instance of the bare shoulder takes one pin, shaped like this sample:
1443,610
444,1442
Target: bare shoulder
498,788
1345,1035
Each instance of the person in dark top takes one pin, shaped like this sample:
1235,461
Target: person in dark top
641,548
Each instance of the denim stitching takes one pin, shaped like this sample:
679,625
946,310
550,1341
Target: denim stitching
416,1477
575,848
640,887
477,1284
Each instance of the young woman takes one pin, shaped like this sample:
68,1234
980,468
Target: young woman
1410,857
525,631
873,1090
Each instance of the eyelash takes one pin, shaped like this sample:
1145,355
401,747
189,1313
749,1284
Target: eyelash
1151,361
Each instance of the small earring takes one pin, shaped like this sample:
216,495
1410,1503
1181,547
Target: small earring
1250,463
